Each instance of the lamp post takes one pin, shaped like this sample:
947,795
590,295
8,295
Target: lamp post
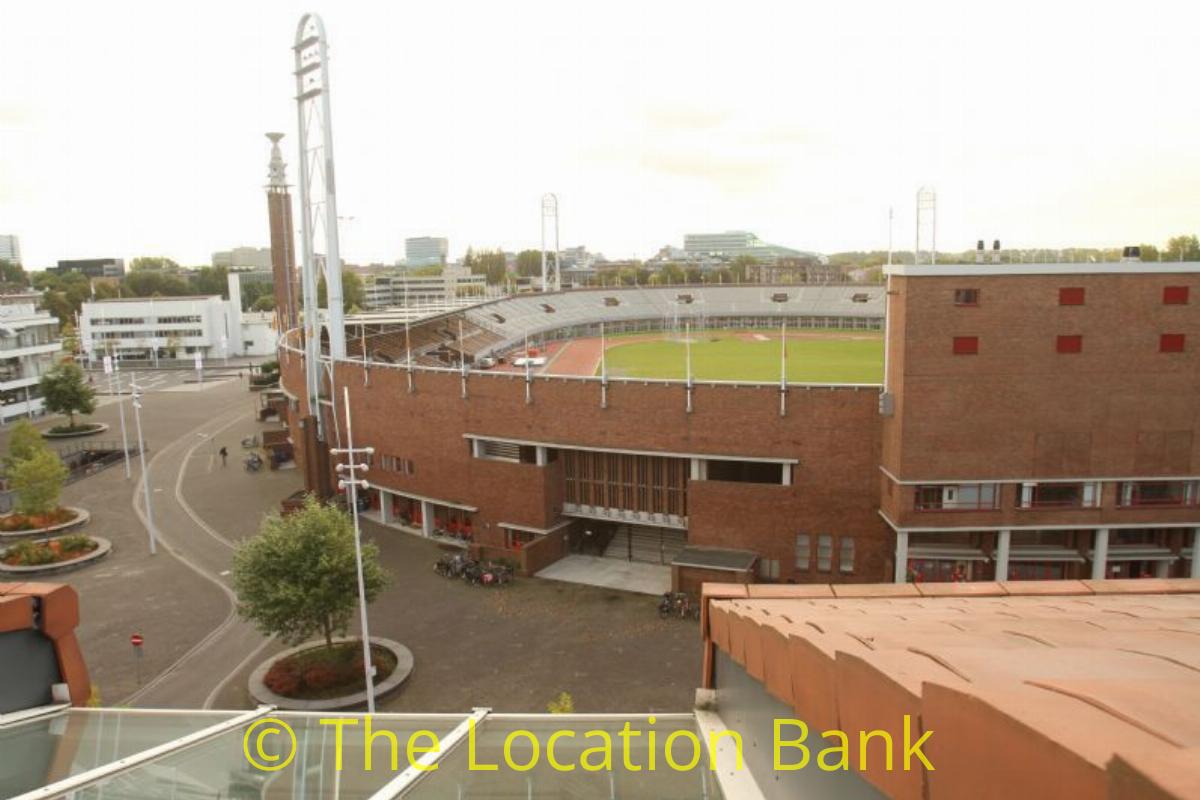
136,392
113,368
352,483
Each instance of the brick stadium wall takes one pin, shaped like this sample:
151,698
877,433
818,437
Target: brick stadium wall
1019,409
834,434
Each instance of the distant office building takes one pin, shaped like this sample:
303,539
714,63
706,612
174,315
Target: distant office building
455,286
92,267
732,244
807,269
29,343
426,251
243,257
10,248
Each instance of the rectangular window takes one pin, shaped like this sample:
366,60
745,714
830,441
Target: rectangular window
1171,343
966,297
768,569
803,554
1175,295
966,345
1059,495
500,451
957,497
824,552
1133,494
1070,296
845,555
1070,344
744,471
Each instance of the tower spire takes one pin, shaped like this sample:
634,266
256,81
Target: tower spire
276,169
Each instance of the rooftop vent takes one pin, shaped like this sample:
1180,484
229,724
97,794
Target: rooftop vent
684,298
995,256
861,297
1132,253
499,319
979,252
778,297
608,301
549,309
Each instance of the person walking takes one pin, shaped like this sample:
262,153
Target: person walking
224,455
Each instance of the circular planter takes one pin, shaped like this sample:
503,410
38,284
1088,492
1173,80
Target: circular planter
104,547
404,667
82,516
93,428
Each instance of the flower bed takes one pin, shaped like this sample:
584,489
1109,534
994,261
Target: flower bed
68,431
320,673
30,553
20,523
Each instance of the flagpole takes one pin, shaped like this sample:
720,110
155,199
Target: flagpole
603,369
687,345
528,377
408,350
783,369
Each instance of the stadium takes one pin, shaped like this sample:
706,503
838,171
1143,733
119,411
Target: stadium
600,423
784,433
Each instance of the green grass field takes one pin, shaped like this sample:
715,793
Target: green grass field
829,357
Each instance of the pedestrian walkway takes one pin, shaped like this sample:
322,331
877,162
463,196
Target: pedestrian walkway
612,573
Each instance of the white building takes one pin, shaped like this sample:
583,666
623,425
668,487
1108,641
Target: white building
426,251
29,346
731,244
10,248
456,286
157,328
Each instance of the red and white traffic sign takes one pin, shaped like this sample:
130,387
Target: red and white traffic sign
136,640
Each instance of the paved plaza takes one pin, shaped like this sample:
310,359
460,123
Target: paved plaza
513,648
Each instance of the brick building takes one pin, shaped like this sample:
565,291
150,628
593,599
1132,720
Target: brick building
1036,421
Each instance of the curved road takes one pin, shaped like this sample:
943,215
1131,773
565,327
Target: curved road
194,679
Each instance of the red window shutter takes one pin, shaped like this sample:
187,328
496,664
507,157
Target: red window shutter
1070,296
1175,295
966,345
1070,344
1171,343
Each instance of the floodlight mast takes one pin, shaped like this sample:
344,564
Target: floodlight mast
318,206
551,276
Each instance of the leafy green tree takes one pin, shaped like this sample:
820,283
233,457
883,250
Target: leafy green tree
264,302
65,391
12,273
38,482
211,280
160,263
23,443
149,282
1181,248
298,576
70,338
352,291
529,263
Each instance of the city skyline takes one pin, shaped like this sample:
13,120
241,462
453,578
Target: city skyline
805,142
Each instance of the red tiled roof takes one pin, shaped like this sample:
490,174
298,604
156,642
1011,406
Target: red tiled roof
1042,689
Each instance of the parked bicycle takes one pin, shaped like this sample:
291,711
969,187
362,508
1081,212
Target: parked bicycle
253,462
679,605
476,573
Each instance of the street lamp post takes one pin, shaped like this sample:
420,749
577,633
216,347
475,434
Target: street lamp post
113,368
136,392
352,483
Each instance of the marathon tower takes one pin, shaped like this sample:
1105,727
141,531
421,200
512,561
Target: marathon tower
283,245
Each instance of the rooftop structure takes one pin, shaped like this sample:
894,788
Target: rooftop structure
732,244
92,267
426,251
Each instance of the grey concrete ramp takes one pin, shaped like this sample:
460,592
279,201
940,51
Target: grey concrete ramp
612,573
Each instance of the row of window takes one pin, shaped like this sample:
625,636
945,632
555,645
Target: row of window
1076,295
101,336
400,466
1082,494
178,320
824,553
1070,343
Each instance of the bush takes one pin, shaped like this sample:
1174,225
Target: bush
29,554
283,678
76,542
322,676
38,482
563,704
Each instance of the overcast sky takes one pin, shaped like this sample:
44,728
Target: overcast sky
132,129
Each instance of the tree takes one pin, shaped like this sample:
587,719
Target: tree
352,291
70,338
741,268
38,482
298,576
12,273
1181,248
265,302
23,443
211,280
160,263
155,283
529,263
66,391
